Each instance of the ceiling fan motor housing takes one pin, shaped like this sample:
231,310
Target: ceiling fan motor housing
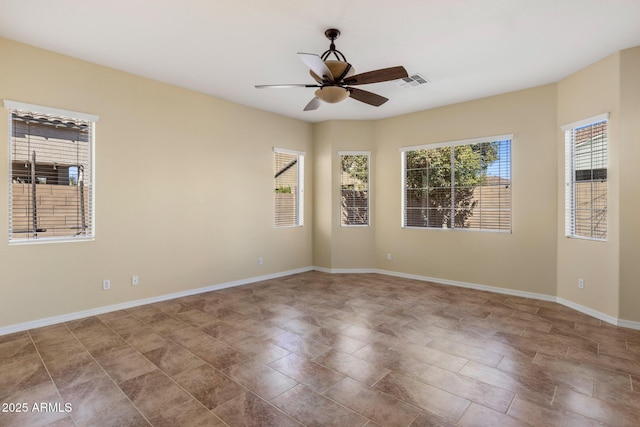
337,68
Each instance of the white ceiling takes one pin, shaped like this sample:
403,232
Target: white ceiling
468,49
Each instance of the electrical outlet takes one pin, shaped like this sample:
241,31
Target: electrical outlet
135,280
389,256
260,261
581,283
106,284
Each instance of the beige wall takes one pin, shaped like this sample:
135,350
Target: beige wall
592,91
184,236
523,260
204,225
322,203
335,246
629,179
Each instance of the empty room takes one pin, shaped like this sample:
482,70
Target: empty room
286,213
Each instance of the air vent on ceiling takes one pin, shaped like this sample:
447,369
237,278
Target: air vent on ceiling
412,80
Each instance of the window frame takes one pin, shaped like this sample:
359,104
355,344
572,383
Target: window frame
55,113
299,209
453,144
571,178
341,154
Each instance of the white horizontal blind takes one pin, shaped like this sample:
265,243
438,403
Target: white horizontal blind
288,188
354,188
458,185
586,146
50,175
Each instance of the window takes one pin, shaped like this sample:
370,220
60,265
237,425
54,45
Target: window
289,188
354,188
586,178
458,185
50,174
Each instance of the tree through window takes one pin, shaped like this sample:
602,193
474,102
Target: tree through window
354,188
464,184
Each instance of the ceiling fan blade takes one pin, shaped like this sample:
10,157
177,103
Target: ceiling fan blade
367,97
283,86
377,76
313,104
317,65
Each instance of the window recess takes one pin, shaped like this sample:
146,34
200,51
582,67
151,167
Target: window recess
458,185
586,188
288,188
354,188
51,192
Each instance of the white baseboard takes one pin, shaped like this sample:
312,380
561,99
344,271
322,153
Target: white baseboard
493,289
130,304
588,311
628,324
48,321
345,270
582,309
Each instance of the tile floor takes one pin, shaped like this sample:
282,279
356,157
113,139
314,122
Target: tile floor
320,349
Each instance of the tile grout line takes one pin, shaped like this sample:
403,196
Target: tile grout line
49,373
555,391
465,410
326,397
222,371
157,367
513,400
420,410
102,368
190,352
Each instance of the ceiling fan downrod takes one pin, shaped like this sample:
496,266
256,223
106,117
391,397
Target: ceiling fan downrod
332,34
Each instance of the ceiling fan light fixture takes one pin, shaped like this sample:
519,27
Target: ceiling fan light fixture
332,94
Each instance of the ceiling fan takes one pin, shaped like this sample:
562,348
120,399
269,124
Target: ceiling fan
335,77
